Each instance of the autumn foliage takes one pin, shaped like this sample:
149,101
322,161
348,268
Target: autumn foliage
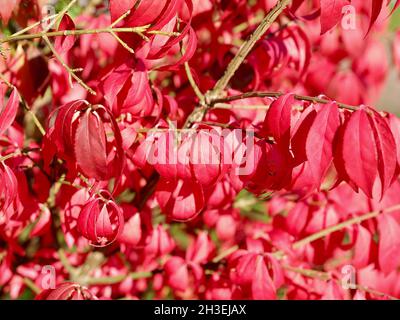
198,149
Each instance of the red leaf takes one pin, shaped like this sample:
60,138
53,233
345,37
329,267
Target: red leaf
65,43
278,117
8,112
332,292
103,223
132,232
301,130
362,247
177,273
113,83
159,243
206,157
67,291
119,7
201,249
169,12
297,218
386,148
359,152
319,144
245,268
191,45
389,243
8,187
394,123
43,223
331,13
181,200
100,222
262,286
172,160
322,218
145,13
376,7
90,146
63,126
6,9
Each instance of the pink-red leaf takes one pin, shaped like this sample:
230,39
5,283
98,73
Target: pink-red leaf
386,148
65,43
262,286
90,146
277,119
6,9
331,13
362,247
389,243
394,123
376,8
319,144
181,200
359,152
8,111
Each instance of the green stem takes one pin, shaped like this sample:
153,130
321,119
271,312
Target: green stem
66,264
193,83
31,285
119,278
138,30
9,156
225,254
69,70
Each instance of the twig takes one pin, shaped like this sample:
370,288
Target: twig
117,279
242,107
11,155
21,152
248,46
31,285
4,79
310,273
327,231
65,262
36,24
198,113
54,18
80,32
375,292
122,42
193,83
225,254
324,232
277,95
325,276
33,115
69,70
120,19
